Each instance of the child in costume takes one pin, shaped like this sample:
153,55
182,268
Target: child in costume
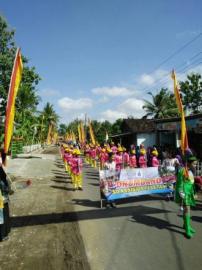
185,192
142,158
76,166
155,161
133,160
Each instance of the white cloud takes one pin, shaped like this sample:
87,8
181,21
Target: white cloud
49,93
147,79
133,107
69,104
112,91
103,99
112,116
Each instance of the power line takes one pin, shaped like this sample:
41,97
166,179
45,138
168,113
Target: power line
176,52
163,80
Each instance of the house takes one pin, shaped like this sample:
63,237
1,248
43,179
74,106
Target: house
161,132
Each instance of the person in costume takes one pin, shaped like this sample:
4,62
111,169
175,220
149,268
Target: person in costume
133,159
119,159
142,158
76,165
103,158
110,165
185,193
126,158
154,161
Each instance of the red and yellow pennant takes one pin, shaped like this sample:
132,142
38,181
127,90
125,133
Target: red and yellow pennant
184,137
10,108
79,132
83,137
92,137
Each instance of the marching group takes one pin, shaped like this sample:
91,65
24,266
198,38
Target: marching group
116,157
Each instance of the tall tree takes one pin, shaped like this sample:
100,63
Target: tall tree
191,91
162,105
48,117
27,98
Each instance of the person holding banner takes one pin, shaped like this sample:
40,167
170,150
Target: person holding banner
110,165
185,192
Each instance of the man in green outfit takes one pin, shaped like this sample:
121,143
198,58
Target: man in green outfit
185,192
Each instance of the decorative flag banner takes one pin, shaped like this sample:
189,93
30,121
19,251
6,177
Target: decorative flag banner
92,137
48,141
79,132
83,137
184,137
10,108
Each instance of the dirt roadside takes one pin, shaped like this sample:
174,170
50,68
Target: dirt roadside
45,233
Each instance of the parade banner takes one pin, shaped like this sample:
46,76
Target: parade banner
134,182
10,107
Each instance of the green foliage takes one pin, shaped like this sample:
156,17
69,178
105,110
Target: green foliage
191,91
62,129
47,117
163,105
99,128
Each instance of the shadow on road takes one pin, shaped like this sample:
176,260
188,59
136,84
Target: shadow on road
62,187
156,222
60,181
134,211
197,218
86,202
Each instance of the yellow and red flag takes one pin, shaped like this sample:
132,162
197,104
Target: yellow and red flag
83,139
92,137
48,140
79,132
10,108
184,137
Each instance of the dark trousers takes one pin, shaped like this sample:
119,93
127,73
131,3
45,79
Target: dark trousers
6,227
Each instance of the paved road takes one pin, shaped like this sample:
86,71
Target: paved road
44,235
143,233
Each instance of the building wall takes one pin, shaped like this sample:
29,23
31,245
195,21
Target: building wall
148,139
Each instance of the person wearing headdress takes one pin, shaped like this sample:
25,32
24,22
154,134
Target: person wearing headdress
154,161
185,192
133,159
77,169
126,158
103,158
113,148
142,158
119,159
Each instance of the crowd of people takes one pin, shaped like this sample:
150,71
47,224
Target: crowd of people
117,157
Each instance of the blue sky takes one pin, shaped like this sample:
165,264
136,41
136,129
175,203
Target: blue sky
101,57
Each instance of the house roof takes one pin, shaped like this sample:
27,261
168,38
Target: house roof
178,119
138,125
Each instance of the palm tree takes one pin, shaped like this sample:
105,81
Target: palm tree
49,118
162,105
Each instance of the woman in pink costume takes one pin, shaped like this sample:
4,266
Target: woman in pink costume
142,158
